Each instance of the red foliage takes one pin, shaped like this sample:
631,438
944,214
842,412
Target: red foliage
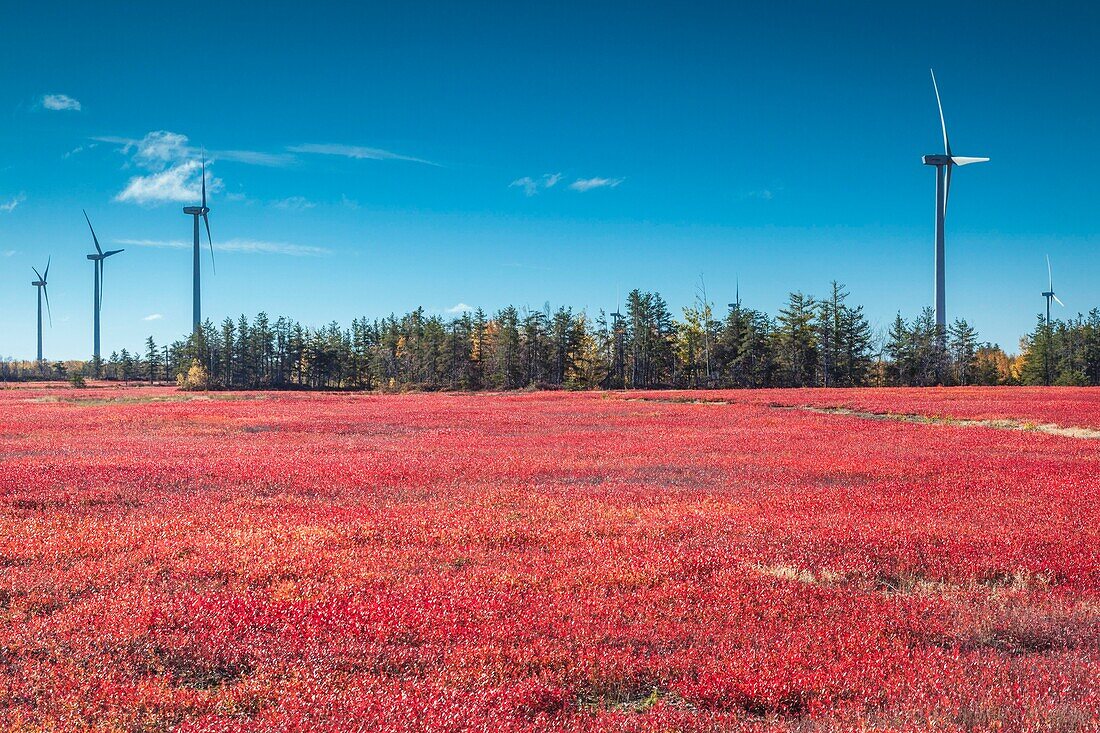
551,561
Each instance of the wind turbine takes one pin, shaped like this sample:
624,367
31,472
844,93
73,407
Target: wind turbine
196,212
98,258
944,163
736,304
618,362
1049,294
40,283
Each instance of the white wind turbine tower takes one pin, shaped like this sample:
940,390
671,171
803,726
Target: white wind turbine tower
40,284
1049,296
199,212
944,163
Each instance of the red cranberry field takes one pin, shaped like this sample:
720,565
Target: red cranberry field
893,560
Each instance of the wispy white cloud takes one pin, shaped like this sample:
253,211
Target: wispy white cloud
153,317
349,203
255,157
9,205
356,152
764,194
79,149
253,246
163,146
529,185
459,308
60,102
587,184
174,169
532,186
181,184
294,203
8,253
242,246
172,166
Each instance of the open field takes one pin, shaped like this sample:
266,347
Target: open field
549,561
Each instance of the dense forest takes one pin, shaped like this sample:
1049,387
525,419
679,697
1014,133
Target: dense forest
809,342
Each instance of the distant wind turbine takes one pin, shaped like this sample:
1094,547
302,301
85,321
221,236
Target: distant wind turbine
736,304
98,259
944,163
196,212
1049,294
40,283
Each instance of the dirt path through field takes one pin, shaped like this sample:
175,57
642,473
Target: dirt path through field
998,424
1002,424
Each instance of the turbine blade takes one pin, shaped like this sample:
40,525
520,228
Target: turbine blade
101,284
94,238
943,124
204,178
47,274
206,220
36,273
1057,301
963,160
1050,276
48,311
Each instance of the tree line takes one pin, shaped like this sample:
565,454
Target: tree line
810,341
1067,352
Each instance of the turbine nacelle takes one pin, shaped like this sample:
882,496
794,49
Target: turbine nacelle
105,255
196,210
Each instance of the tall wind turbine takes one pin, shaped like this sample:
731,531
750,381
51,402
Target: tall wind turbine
98,258
944,163
40,283
736,304
196,212
1049,294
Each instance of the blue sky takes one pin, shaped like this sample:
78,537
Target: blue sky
373,159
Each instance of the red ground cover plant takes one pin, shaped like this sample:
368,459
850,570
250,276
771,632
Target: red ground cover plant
562,562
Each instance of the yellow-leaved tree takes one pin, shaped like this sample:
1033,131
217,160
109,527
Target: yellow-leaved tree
195,380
